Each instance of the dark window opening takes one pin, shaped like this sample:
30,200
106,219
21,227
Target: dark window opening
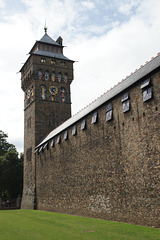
74,130
147,94
109,112
59,139
83,124
94,118
66,135
126,106
109,115
125,97
145,83
46,145
52,143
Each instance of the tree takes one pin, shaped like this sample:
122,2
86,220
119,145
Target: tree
11,169
4,145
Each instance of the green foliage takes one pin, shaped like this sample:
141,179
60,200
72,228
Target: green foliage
11,169
4,145
39,225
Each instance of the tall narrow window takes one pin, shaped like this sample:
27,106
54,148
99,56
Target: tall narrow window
94,118
83,124
40,75
46,145
41,149
36,150
27,97
46,76
147,94
66,135
125,102
126,106
109,112
146,89
59,139
62,94
32,95
52,142
53,77
59,77
65,78
74,130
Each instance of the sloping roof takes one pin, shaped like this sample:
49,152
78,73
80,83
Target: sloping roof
51,54
48,39
133,78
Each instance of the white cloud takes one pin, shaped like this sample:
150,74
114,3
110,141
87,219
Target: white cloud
103,60
106,60
126,6
2,4
89,5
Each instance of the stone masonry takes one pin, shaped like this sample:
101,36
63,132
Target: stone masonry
110,169
103,162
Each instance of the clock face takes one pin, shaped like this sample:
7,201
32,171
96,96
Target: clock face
53,90
46,76
40,75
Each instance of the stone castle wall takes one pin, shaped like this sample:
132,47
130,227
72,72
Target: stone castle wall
110,169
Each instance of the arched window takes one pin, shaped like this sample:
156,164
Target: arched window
59,77
32,95
27,97
46,76
53,77
40,74
62,94
65,78
43,92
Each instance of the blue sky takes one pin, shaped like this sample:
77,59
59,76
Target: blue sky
107,39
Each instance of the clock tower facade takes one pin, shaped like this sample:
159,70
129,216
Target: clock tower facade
45,79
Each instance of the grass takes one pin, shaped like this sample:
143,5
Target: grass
38,225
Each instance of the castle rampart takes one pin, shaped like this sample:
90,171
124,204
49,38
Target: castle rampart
105,162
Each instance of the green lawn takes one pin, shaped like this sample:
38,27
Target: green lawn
28,225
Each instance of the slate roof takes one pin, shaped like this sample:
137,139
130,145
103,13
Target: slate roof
48,39
51,54
129,81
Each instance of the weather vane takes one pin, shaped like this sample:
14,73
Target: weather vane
45,27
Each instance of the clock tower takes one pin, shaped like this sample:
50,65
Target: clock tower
45,79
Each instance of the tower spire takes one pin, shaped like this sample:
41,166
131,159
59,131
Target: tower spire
45,28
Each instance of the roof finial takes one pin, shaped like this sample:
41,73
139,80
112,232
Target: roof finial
45,28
